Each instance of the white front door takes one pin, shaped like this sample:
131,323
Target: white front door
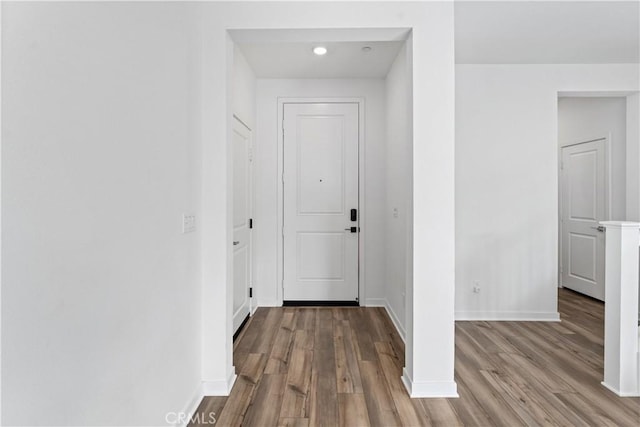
241,142
583,205
321,215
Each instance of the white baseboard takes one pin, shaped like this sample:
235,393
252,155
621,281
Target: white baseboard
619,393
375,302
219,388
429,389
190,409
383,302
396,322
268,303
406,380
206,388
522,316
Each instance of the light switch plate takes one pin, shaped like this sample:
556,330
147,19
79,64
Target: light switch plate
188,223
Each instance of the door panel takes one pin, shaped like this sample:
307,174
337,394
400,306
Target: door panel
583,188
583,254
320,189
583,204
241,142
320,166
321,256
241,266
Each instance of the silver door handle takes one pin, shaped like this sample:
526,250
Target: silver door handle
600,228
237,242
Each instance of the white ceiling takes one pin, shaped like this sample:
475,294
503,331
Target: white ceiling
514,32
494,32
343,59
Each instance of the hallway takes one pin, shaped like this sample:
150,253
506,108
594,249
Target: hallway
342,366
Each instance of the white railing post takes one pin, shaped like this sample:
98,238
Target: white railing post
621,307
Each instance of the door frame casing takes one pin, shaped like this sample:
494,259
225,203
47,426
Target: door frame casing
360,101
607,190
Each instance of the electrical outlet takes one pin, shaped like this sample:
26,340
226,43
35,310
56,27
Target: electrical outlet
476,287
188,223
395,212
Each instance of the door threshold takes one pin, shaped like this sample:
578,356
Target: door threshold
311,303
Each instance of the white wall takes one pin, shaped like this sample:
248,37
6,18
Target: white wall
266,177
633,157
507,182
100,290
633,161
244,89
583,119
398,164
1,127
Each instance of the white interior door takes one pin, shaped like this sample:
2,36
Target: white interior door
583,205
320,190
241,142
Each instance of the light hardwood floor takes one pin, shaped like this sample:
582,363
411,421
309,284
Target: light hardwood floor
342,367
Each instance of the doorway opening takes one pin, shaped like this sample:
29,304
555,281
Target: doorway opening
584,203
592,136
360,186
420,81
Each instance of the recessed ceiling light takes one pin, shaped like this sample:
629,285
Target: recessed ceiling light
366,49
320,50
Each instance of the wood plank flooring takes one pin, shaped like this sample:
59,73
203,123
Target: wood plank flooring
342,367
